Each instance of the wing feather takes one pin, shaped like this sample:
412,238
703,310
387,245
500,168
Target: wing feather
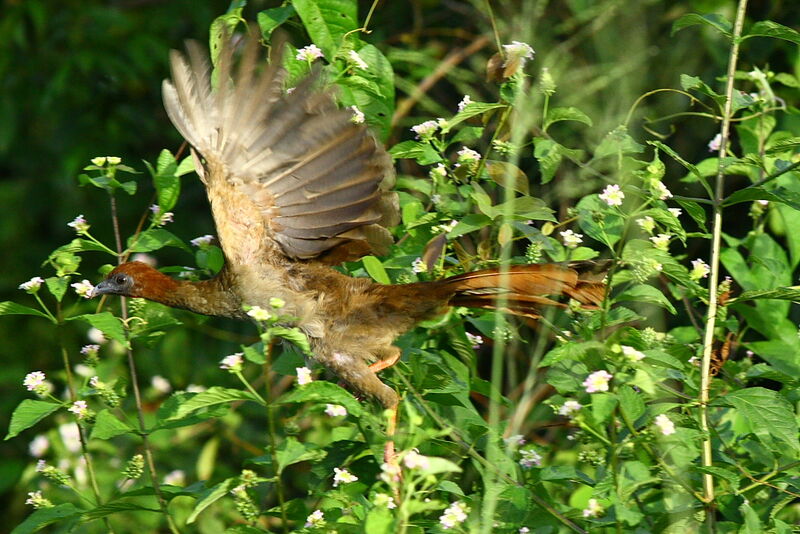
319,182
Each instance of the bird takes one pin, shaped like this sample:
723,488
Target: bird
296,187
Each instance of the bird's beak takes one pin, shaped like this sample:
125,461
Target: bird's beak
103,288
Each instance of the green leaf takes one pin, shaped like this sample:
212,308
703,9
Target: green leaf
57,285
116,507
470,223
155,239
47,516
211,496
718,22
292,451
269,19
167,418
106,322
320,392
327,21
375,269
645,293
293,334
674,155
770,416
185,167
167,184
221,28
566,114
107,425
631,403
767,28
471,110
617,141
565,472
779,293
12,308
507,175
779,194
422,152
695,211
28,413
210,257
211,397
547,152
379,520
603,405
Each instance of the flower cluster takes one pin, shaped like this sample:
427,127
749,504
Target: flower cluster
597,381
32,285
454,515
309,53
38,383
303,376
342,476
232,363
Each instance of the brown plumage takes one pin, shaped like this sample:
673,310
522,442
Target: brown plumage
294,186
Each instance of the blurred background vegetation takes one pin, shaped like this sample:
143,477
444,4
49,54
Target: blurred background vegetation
83,78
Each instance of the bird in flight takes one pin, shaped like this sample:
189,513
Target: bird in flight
296,187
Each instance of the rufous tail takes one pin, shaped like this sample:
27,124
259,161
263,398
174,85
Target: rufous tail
525,289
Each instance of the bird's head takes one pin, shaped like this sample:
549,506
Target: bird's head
136,279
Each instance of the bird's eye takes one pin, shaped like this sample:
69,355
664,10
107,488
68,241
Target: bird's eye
120,279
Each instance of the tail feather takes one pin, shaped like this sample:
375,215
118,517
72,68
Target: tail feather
525,289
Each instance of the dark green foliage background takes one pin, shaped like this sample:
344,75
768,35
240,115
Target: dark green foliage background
82,79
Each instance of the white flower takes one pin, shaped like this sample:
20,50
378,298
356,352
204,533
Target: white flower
113,160
32,285
84,288
161,384
233,362
316,519
79,408
665,425
34,380
530,458
259,314
79,224
95,335
612,195
661,241
593,509
38,447
700,269
714,144
418,266
309,53
90,351
202,241
342,476
647,224
694,360
96,383
632,354
356,60
661,190
303,376
175,478
161,218
70,436
335,410
390,473
414,460
569,407
384,499
466,101
515,440
194,388
358,115
446,227
36,500
474,340
436,198
467,155
524,530
571,239
518,50
676,212
99,161
440,171
597,381
425,129
454,515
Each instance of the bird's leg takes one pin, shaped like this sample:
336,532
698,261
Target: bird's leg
360,377
393,357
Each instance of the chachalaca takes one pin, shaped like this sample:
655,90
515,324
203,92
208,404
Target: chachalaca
295,186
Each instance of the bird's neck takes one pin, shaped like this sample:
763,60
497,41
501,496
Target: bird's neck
207,297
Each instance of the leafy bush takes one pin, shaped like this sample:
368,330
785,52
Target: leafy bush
616,419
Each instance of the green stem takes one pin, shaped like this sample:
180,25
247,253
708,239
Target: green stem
271,430
244,381
716,240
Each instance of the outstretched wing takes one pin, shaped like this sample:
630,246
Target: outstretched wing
320,183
